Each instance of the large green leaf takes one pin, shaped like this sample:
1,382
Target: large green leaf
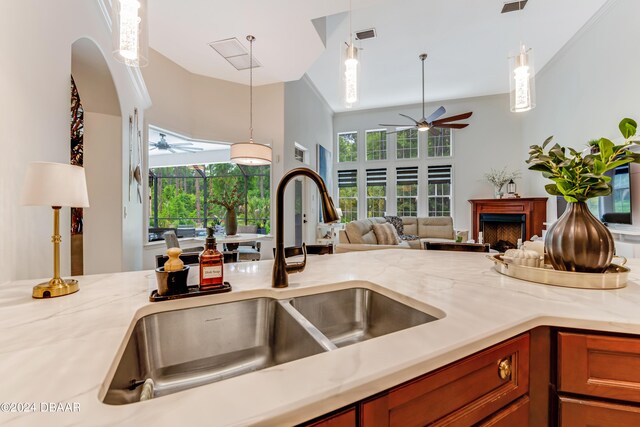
628,127
606,149
547,141
552,189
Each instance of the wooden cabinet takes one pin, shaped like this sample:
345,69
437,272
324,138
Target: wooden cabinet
461,394
598,367
345,418
516,414
587,413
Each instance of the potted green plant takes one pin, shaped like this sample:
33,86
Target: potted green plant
229,198
578,241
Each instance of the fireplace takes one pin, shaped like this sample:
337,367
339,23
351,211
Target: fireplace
502,231
508,220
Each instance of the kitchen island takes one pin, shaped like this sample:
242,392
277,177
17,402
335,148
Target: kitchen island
65,350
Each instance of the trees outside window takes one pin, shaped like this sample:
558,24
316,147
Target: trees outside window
407,144
183,195
348,147
376,144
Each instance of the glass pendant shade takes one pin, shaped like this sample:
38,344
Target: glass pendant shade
522,81
130,32
350,75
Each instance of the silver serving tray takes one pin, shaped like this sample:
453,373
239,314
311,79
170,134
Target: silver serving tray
614,278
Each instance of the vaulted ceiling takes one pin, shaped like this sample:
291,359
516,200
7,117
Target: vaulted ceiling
468,42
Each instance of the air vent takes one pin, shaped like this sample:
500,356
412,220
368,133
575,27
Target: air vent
514,6
234,52
366,34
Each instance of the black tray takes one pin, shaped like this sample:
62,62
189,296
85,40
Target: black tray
193,291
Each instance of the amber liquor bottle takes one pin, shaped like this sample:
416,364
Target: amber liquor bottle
211,264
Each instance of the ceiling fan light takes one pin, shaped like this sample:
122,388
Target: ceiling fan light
423,128
250,154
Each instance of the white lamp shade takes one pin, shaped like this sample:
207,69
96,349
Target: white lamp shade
250,154
55,184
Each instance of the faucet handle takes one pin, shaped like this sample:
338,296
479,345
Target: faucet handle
297,267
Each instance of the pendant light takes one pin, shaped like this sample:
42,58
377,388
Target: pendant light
250,153
351,70
130,32
521,78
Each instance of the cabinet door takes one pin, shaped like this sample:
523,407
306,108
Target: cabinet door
516,414
346,418
461,394
598,365
588,413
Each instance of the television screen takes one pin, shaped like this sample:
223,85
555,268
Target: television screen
614,208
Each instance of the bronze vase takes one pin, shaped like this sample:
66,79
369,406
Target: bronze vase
231,222
577,241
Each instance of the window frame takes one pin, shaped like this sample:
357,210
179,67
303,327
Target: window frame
356,197
386,145
451,145
338,134
451,192
386,189
402,129
398,183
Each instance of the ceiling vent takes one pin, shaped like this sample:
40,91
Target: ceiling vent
514,6
366,34
234,52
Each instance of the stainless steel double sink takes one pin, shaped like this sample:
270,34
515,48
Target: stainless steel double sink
177,350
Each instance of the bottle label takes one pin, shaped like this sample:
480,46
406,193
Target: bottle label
212,272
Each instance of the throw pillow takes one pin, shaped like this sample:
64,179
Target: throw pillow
385,234
408,237
396,221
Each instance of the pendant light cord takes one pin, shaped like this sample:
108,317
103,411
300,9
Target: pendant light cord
251,39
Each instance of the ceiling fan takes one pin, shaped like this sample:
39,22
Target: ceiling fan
432,122
164,145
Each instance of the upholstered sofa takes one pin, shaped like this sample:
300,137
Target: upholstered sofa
359,235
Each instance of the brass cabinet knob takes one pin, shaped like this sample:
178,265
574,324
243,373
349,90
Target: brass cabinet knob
504,368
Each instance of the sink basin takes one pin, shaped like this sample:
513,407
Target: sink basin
187,348
182,349
353,315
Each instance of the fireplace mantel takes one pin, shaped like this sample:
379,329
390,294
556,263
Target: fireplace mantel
534,208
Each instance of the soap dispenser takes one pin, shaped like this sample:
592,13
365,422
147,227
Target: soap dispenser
211,264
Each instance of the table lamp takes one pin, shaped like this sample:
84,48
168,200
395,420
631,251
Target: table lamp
55,185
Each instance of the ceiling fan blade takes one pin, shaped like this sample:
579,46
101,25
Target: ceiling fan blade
406,128
453,118
434,132
189,149
451,125
172,150
153,148
177,144
412,119
439,112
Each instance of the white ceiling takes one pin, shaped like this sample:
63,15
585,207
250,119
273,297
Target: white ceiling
468,42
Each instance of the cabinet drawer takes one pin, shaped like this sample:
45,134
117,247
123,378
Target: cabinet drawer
346,418
516,414
600,366
460,394
587,413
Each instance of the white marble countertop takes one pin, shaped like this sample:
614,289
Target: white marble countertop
65,349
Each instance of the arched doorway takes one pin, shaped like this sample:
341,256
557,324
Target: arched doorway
96,242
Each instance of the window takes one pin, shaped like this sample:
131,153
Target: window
348,147
183,196
299,153
348,194
407,144
439,145
407,191
376,144
376,192
439,190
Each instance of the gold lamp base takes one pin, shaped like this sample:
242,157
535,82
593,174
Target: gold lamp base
55,288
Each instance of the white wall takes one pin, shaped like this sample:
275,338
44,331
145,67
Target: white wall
215,110
308,122
492,140
35,67
102,247
587,88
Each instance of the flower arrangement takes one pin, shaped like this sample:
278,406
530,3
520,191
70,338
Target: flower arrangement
500,177
230,197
